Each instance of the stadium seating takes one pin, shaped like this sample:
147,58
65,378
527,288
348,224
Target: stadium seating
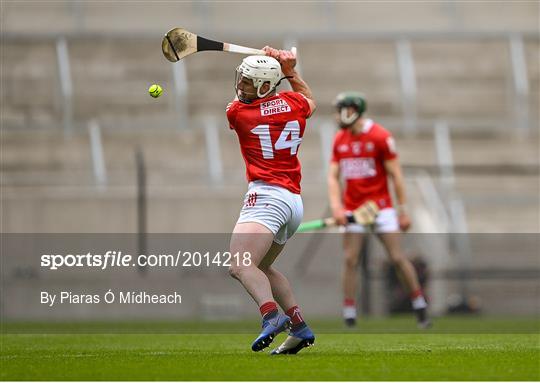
304,17
110,78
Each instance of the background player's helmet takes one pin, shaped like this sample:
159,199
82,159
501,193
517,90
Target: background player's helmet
356,100
260,69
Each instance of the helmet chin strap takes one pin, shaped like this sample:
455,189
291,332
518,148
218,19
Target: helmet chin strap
346,121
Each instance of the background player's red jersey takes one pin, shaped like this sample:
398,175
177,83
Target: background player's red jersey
361,163
270,131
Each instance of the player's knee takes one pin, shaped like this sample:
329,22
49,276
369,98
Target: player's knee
235,271
351,261
397,259
268,270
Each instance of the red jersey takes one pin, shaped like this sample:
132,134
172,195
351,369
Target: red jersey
270,131
361,163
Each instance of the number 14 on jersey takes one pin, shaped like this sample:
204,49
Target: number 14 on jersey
288,139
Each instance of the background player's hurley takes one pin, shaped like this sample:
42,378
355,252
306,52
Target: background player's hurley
179,43
364,215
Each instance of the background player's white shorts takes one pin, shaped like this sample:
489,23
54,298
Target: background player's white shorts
274,207
386,222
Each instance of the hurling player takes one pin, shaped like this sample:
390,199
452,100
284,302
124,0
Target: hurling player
364,157
270,127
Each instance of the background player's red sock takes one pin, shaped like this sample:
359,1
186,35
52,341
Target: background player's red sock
268,310
296,318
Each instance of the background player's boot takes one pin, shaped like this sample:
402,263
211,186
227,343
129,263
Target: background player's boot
296,341
349,315
422,319
270,328
350,322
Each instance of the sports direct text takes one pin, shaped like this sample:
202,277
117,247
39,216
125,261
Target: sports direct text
274,107
113,258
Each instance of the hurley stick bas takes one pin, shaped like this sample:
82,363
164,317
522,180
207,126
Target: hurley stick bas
179,43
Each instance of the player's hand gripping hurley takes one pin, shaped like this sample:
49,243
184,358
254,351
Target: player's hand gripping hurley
179,43
364,215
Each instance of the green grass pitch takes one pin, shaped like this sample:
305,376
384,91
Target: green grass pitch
477,353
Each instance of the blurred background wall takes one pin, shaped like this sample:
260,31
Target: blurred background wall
456,82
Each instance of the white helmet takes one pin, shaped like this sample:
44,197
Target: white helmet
260,69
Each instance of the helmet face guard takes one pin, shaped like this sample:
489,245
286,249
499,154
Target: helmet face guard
353,100
241,94
344,119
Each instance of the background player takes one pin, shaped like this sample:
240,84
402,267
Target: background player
270,127
364,154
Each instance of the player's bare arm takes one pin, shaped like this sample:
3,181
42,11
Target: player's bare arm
334,194
287,59
393,169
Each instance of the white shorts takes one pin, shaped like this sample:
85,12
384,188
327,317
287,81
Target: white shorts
386,222
277,208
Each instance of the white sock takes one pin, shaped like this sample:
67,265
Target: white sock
349,312
419,303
